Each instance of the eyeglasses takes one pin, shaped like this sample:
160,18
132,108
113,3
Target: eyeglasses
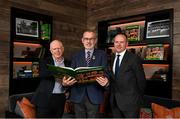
86,39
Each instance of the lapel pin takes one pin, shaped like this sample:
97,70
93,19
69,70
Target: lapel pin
93,58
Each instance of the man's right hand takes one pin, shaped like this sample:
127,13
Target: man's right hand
68,81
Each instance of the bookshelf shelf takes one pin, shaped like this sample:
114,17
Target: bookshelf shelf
30,36
151,39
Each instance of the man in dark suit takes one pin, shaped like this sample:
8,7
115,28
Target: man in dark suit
49,97
127,82
88,97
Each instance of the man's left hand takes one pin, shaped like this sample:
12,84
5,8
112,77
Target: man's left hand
103,81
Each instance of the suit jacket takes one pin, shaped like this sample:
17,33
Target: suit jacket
46,86
94,91
128,89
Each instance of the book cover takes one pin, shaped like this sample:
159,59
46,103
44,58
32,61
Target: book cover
133,33
81,74
45,31
35,69
154,52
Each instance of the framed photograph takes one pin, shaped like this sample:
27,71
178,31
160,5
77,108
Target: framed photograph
25,27
157,29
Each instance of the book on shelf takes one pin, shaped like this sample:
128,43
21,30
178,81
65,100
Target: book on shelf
133,33
154,52
35,69
81,74
45,31
27,73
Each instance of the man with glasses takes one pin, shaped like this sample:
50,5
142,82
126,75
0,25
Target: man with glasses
88,97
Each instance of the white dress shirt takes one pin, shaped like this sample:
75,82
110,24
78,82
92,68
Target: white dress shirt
57,86
120,59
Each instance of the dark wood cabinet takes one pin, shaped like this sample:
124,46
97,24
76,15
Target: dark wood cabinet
150,36
29,42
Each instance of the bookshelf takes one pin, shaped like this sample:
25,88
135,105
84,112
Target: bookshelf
30,36
150,37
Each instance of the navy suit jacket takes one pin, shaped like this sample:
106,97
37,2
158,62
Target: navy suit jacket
129,88
46,86
94,91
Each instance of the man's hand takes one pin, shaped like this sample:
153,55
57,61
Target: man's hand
68,81
103,81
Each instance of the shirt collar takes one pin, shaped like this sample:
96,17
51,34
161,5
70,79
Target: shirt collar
91,50
121,54
60,61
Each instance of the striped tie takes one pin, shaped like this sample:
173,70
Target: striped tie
88,58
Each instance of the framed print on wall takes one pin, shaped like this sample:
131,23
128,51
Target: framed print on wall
158,29
26,27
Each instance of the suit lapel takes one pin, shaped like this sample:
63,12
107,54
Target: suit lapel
50,61
111,65
83,57
93,58
111,62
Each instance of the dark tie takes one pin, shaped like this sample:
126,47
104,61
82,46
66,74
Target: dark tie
88,58
117,66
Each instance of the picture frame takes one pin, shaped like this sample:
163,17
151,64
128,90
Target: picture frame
26,27
158,29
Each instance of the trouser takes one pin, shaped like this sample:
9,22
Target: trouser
55,107
86,109
118,113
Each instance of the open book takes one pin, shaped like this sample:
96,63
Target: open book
81,74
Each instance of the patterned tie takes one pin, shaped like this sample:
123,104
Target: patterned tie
117,66
88,58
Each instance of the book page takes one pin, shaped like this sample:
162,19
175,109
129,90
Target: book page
68,68
87,69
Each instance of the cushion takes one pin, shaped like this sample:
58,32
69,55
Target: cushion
163,112
25,109
146,113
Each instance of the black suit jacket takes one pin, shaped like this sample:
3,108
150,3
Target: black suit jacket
45,88
128,89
